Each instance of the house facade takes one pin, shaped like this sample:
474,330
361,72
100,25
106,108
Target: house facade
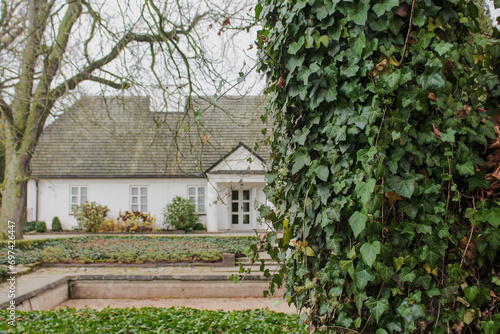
117,152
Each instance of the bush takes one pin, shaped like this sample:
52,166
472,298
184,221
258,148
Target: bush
29,226
91,216
199,227
180,214
136,221
41,226
56,225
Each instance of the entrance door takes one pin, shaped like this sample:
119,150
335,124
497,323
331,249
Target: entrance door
240,209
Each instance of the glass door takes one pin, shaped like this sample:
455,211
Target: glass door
240,208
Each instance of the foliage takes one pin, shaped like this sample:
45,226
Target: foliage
4,270
29,226
41,226
180,214
150,319
381,119
56,224
125,249
135,221
91,216
199,227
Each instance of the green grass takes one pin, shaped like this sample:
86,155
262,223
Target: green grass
152,320
126,249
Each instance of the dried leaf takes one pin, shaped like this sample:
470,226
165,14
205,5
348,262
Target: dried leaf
379,68
393,197
281,82
226,22
433,97
402,10
436,131
205,138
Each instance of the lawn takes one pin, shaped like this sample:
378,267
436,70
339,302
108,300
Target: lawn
126,249
152,320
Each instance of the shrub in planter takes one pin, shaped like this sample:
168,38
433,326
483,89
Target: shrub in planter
29,226
180,214
90,216
56,224
41,226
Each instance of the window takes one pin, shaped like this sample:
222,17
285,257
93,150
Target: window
139,199
78,196
197,196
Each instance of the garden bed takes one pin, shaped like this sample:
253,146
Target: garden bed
127,249
147,320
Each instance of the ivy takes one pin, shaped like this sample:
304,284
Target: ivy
383,168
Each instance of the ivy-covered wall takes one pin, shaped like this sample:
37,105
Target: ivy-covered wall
382,116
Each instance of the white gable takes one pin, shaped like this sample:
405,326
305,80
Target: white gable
240,160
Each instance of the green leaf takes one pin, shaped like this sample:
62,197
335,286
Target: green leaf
301,159
305,72
448,136
432,78
369,252
493,217
403,187
377,307
478,181
296,46
358,222
364,190
358,44
407,275
235,278
359,14
398,263
466,168
322,172
385,6
471,292
443,48
363,277
433,292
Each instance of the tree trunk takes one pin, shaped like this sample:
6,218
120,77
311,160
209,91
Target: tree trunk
14,191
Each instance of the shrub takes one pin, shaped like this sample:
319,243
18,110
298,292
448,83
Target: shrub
29,226
180,214
136,221
90,216
41,226
56,225
199,227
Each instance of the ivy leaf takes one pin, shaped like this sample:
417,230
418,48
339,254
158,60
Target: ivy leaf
443,48
359,14
369,252
378,307
493,217
305,72
432,78
358,222
407,275
469,316
471,292
296,46
301,159
363,277
364,190
466,168
358,44
478,181
403,187
322,172
385,6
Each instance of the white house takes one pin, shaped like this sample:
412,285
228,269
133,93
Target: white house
117,152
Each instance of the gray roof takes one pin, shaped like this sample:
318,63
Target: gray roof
101,137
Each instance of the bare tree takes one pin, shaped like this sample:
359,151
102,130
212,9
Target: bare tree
49,48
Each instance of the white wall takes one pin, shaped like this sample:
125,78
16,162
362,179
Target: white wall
54,196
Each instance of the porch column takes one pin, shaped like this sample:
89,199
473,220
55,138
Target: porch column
212,221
